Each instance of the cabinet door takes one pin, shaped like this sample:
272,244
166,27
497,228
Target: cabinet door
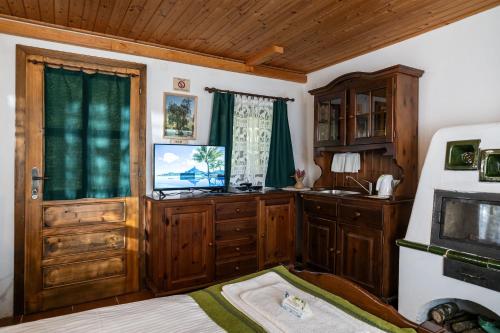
330,121
359,256
370,116
319,243
190,250
277,232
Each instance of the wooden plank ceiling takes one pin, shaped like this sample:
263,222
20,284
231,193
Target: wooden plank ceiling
313,33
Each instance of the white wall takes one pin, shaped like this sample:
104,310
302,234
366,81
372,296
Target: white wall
159,80
461,83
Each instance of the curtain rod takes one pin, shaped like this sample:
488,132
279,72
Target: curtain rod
211,90
81,68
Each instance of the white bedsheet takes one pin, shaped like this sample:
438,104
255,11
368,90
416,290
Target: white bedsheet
260,299
166,315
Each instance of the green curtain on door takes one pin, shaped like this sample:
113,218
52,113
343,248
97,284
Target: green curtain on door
87,141
281,165
221,128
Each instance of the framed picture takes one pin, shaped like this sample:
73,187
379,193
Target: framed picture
179,116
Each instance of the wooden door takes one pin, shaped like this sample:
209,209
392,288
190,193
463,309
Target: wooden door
371,112
71,251
190,243
359,255
277,232
319,243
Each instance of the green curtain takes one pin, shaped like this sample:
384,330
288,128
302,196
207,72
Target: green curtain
221,128
281,165
87,120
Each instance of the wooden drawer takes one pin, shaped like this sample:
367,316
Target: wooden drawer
364,216
228,269
80,243
59,275
235,210
234,249
239,229
327,209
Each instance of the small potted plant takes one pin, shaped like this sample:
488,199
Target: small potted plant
299,178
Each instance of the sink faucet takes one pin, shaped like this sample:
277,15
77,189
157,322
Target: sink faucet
370,185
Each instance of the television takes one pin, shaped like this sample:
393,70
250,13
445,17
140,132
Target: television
181,167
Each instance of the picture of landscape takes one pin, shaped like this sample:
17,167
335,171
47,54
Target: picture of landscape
180,116
186,166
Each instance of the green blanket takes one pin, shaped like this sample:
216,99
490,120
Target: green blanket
232,320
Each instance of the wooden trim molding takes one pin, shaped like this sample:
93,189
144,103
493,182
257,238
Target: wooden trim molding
53,33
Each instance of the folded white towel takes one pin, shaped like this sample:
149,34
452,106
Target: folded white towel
352,162
338,162
260,299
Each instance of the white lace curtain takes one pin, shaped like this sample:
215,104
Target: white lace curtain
253,118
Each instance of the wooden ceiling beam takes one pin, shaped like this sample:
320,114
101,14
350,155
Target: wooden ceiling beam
49,32
264,55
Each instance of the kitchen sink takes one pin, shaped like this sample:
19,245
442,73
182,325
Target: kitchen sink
337,192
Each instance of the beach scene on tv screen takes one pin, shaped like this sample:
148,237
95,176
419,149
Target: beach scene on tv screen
182,166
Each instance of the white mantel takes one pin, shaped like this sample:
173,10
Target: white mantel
421,279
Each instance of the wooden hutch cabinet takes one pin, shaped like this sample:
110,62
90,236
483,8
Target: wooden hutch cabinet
199,240
376,115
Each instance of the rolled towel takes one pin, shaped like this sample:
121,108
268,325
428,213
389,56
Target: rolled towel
338,163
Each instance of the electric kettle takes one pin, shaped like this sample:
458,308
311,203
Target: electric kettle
385,185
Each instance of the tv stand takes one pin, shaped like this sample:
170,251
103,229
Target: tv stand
235,235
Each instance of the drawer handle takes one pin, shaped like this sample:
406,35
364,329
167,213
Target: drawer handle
318,207
237,210
338,252
357,214
210,244
237,249
331,249
236,268
237,229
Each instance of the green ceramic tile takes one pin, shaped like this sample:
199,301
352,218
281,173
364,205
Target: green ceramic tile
495,264
462,155
437,250
489,170
468,258
412,245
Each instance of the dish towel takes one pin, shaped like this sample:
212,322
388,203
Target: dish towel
352,162
346,162
260,299
338,163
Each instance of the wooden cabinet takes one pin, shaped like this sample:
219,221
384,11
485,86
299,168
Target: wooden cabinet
355,238
319,243
359,255
277,232
376,115
191,243
190,246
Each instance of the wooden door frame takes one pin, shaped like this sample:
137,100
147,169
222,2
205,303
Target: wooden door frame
22,53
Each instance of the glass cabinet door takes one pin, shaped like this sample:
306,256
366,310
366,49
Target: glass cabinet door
379,113
362,115
330,121
370,117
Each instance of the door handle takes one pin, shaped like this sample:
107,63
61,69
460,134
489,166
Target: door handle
39,178
36,178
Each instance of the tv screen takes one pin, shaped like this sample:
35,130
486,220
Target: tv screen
188,166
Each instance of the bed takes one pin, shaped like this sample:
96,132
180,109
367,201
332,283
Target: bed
247,304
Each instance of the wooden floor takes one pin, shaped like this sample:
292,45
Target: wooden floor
128,298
